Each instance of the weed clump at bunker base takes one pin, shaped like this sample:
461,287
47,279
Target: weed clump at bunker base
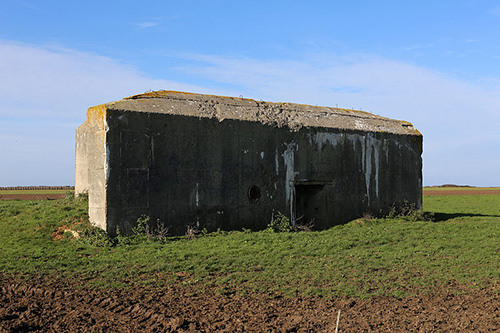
363,258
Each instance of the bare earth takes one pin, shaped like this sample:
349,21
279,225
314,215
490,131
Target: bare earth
36,306
32,196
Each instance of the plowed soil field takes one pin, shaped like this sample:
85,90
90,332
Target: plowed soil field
32,196
36,306
34,192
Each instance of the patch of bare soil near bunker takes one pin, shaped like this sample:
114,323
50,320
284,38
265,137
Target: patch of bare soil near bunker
66,308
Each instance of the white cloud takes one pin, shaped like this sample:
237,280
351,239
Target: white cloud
417,47
28,4
154,21
147,24
39,81
44,94
495,11
458,118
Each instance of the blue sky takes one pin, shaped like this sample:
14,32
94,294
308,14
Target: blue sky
433,63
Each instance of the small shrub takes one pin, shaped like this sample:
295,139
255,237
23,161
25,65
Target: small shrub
305,226
393,212
412,214
408,212
92,235
220,232
145,230
141,232
122,239
191,231
142,227
160,231
367,216
281,223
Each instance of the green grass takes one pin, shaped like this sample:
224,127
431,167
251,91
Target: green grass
444,189
361,258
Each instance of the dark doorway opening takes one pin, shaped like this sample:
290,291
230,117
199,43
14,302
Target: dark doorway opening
311,205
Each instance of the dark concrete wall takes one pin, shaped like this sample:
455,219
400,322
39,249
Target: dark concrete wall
186,170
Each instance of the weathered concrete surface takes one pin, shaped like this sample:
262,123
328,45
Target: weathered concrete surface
220,162
91,164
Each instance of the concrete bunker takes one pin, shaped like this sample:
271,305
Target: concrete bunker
231,163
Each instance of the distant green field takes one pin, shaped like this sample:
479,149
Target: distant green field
438,188
33,191
363,258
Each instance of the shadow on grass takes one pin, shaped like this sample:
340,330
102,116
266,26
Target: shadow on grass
441,217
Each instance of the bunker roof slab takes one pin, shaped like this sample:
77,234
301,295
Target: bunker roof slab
294,116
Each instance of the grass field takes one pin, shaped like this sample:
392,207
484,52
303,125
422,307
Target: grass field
465,189
362,258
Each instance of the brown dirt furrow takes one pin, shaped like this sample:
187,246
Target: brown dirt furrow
49,310
460,192
65,308
31,196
